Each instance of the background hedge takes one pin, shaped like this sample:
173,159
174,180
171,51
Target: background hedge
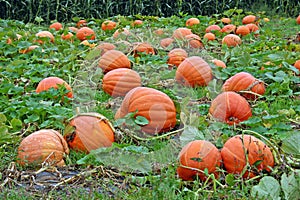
65,10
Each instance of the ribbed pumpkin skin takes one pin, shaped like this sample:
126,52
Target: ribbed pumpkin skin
233,155
113,59
45,145
53,82
192,21
180,33
230,107
152,104
176,56
199,154
193,71
249,19
229,28
120,81
231,40
244,81
92,131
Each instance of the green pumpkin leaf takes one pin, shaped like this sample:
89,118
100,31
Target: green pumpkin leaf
291,186
268,188
291,145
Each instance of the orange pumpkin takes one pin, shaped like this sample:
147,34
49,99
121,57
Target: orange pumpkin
242,30
213,27
10,40
121,31
113,59
108,25
85,33
180,33
142,47
252,27
219,63
230,107
200,155
192,21
229,28
44,146
166,42
226,20
193,71
56,25
44,34
30,48
194,41
298,19
81,23
53,82
137,22
209,36
159,31
120,81
67,36
89,131
242,149
73,29
249,19
297,65
244,81
176,56
104,47
231,40
157,107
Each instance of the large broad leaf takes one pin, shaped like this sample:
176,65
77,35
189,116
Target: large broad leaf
133,158
291,186
268,188
291,144
189,134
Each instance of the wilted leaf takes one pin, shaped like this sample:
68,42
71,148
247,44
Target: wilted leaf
268,188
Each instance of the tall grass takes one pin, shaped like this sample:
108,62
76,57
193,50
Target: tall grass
65,10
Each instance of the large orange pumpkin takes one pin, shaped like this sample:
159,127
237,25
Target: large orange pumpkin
193,71
231,40
89,131
157,107
113,59
242,30
243,81
176,56
53,82
200,155
43,146
85,33
242,149
119,81
230,107
249,19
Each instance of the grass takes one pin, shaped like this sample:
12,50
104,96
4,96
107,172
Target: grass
113,173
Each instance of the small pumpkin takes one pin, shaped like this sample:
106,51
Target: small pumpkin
230,107
180,33
192,21
176,56
212,28
219,63
16,37
193,71
166,42
43,146
108,25
137,22
89,131
104,47
252,27
209,36
243,81
143,47
240,149
67,36
200,155
81,23
73,29
85,33
44,34
249,19
53,82
297,65
121,31
231,40
157,107
30,48
226,20
229,28
242,30
56,26
298,19
194,41
120,81
113,59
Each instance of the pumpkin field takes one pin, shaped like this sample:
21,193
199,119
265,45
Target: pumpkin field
148,107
